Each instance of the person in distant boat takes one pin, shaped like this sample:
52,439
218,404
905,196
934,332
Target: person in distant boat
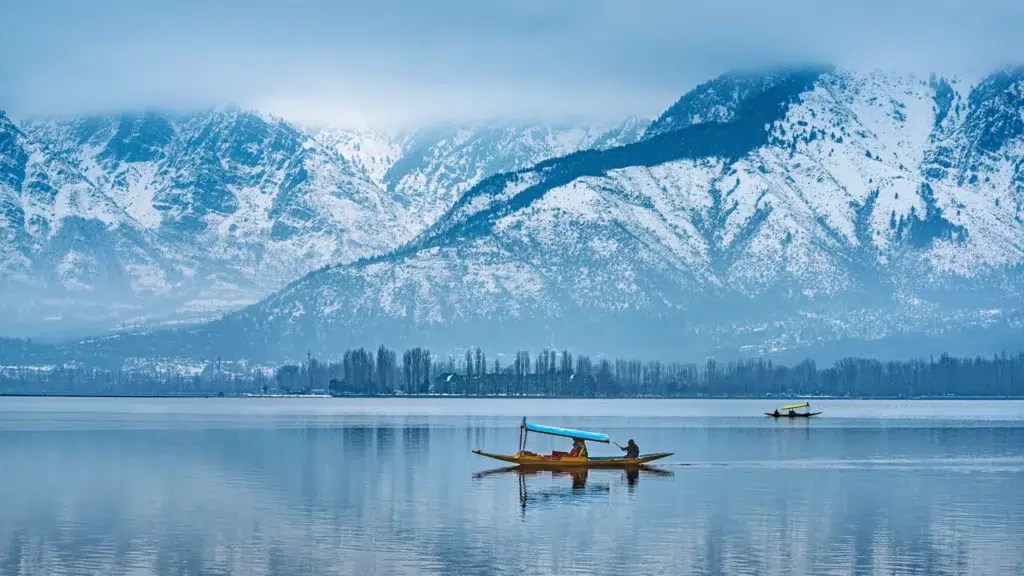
792,414
579,448
776,414
631,449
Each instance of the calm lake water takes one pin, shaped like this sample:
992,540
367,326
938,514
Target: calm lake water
390,486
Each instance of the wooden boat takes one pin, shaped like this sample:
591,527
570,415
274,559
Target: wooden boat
527,459
567,471
788,411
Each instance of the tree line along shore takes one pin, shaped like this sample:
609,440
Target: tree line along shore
365,372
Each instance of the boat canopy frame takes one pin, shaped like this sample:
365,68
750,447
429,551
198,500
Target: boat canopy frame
525,428
795,406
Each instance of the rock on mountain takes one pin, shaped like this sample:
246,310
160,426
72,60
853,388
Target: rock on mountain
762,211
142,217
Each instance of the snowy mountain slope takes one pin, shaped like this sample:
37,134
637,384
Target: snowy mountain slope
63,230
211,211
372,152
216,209
232,177
762,210
14,261
66,244
427,170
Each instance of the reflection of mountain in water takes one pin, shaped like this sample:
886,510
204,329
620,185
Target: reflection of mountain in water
388,500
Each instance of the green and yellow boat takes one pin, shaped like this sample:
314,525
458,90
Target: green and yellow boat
526,459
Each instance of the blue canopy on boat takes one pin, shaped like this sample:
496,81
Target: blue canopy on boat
567,432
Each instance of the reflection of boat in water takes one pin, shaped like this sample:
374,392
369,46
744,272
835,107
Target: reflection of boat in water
577,472
580,491
789,411
633,473
525,458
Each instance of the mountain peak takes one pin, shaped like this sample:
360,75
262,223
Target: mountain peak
721,98
207,211
769,211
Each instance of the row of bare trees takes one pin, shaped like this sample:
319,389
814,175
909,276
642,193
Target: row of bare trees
548,373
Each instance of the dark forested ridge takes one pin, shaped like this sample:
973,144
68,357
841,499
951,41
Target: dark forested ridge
549,373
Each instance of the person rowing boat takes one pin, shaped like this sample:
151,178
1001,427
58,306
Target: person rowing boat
631,449
579,455
790,411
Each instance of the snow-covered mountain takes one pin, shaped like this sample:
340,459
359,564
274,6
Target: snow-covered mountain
123,219
199,212
762,210
427,170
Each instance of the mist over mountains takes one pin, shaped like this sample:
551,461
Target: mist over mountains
150,218
762,213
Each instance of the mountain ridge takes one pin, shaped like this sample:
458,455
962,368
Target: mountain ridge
763,212
898,235
230,203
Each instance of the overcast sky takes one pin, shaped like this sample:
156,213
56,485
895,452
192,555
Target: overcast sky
385,62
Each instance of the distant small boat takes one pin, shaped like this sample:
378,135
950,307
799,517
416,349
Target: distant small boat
528,459
789,411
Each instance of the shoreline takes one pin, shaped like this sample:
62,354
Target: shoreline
495,397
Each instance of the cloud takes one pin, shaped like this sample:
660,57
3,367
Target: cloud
384,61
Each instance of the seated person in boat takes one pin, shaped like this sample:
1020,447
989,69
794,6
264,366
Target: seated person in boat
579,448
631,449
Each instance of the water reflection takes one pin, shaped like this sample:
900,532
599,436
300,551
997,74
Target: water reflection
578,490
577,493
400,496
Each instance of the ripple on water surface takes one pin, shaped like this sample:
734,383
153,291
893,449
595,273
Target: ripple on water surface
369,487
